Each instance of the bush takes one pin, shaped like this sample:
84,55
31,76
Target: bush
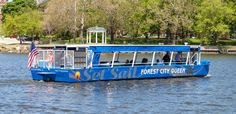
194,41
227,42
151,41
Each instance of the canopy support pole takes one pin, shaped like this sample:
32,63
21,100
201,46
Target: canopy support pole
91,63
153,57
171,57
134,59
113,59
199,56
187,58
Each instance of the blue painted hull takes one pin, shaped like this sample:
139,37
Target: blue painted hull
119,72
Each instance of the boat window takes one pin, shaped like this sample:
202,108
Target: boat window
179,57
124,59
193,57
144,58
105,59
69,59
158,58
80,58
121,59
59,58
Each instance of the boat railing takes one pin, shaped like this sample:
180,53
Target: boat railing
109,64
55,59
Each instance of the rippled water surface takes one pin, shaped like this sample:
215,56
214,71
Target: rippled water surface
214,94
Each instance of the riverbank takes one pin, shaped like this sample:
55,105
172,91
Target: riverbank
14,48
24,48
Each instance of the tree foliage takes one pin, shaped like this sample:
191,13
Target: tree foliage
28,23
212,20
18,7
21,17
172,19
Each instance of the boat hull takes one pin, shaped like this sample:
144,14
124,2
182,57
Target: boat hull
119,72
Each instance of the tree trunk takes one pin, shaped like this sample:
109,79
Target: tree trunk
182,33
49,36
146,35
112,35
158,33
50,39
82,26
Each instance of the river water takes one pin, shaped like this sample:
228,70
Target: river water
215,93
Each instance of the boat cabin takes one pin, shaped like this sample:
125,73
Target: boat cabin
89,56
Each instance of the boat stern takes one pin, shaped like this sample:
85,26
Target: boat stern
41,74
205,68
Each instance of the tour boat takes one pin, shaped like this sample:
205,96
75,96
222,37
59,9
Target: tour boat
94,61
82,63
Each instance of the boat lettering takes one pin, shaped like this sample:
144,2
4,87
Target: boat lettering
91,75
127,73
163,71
113,72
178,70
86,74
149,71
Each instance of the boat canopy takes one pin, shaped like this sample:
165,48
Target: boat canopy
107,49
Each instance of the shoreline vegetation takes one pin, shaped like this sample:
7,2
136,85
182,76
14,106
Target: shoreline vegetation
14,48
143,22
224,48
125,21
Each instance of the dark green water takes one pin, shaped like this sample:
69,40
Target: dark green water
213,94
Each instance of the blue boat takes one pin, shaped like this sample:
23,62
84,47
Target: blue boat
82,63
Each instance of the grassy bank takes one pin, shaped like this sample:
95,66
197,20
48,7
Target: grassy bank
196,41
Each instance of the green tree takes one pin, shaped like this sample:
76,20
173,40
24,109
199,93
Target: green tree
28,23
212,20
63,17
176,17
1,31
110,16
59,18
145,16
18,7
232,21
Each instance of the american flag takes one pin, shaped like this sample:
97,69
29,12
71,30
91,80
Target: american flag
32,54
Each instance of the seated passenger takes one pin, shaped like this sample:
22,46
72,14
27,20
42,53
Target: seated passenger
131,61
178,57
144,60
127,61
166,58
